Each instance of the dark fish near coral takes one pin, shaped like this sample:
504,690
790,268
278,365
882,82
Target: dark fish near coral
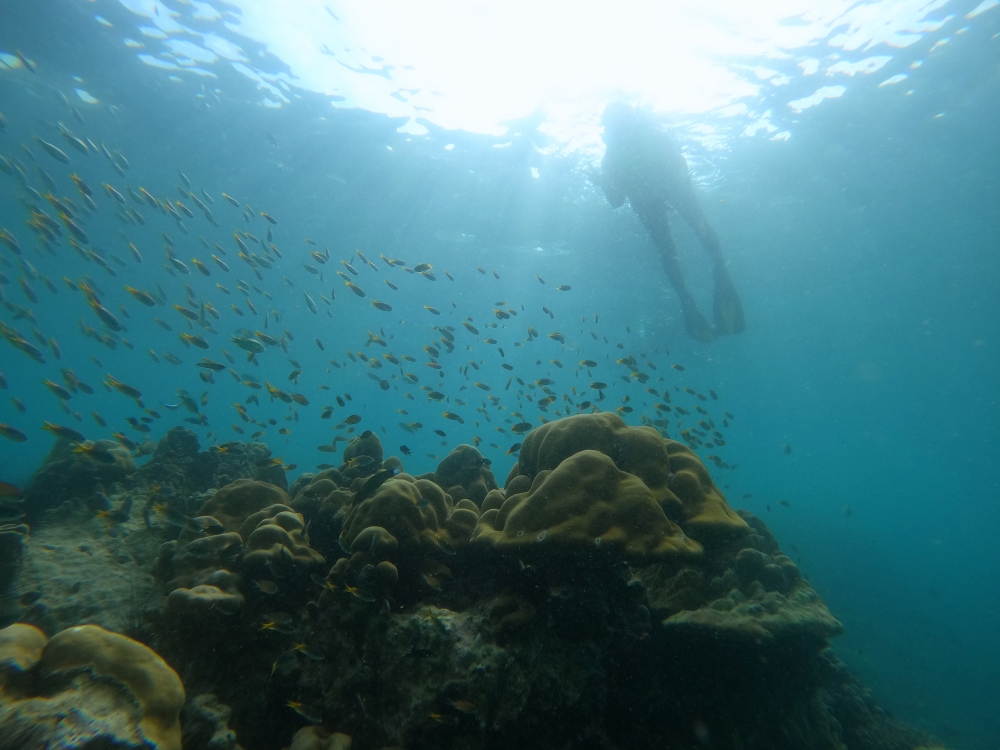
12,433
283,663
310,652
169,514
63,433
307,712
206,525
89,449
373,482
117,515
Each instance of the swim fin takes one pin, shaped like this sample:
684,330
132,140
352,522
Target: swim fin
726,305
695,324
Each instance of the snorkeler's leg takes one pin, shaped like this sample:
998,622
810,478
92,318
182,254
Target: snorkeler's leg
654,218
727,310
726,306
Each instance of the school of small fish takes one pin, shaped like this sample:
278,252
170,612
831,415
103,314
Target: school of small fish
231,329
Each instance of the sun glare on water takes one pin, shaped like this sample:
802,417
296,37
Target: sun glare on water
477,66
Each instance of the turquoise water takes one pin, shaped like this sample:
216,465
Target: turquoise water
864,247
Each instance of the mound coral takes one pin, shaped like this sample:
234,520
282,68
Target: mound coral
277,533
678,481
362,456
586,503
206,566
417,512
465,473
757,593
95,688
235,502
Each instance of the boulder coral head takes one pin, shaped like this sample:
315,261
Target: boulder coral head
586,504
466,468
674,476
362,456
235,502
92,688
417,512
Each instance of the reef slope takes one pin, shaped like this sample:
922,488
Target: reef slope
606,596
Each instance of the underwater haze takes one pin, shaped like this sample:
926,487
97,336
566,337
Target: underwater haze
342,240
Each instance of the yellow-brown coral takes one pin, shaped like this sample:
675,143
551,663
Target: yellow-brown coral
232,504
466,467
672,473
278,532
418,513
586,503
21,646
154,699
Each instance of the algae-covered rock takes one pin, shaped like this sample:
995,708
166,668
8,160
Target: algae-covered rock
72,472
13,539
585,505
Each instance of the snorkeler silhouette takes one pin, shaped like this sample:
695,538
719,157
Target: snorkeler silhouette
642,163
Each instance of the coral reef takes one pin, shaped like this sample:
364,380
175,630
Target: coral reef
606,597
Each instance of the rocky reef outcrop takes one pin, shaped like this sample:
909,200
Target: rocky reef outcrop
607,596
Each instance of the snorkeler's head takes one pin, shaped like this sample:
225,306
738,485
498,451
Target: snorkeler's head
618,119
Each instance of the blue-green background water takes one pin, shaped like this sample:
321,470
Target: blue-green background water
865,249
